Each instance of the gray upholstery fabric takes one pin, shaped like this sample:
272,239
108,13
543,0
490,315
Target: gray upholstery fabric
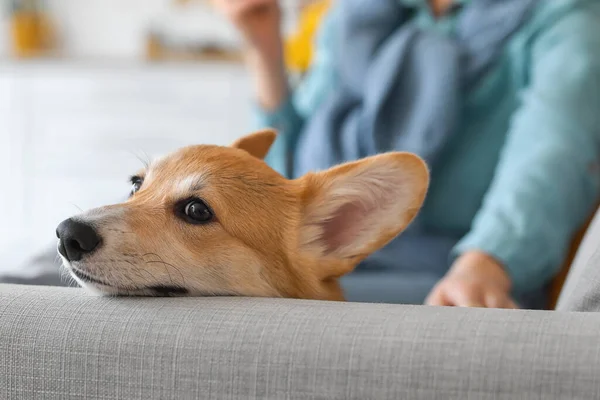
60,343
581,291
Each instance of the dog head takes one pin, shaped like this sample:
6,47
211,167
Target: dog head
211,220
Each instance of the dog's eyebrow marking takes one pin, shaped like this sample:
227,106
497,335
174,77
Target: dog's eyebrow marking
191,183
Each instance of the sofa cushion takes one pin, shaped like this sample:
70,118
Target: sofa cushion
581,291
25,264
60,343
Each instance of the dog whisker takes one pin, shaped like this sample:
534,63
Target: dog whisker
144,158
138,271
172,266
175,268
165,265
119,231
66,277
76,206
154,280
148,254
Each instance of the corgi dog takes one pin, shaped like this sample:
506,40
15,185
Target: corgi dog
212,220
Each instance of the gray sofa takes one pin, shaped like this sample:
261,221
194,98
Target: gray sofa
61,343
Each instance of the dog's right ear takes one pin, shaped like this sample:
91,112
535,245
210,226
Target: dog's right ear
257,143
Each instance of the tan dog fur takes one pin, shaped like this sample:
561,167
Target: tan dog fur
271,237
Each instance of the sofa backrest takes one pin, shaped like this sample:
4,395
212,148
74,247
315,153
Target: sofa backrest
581,291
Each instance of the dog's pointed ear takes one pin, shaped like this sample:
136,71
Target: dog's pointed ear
352,210
257,143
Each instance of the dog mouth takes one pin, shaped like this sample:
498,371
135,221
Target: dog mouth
155,290
87,278
163,290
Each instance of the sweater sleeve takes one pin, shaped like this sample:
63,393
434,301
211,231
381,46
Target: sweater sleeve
289,118
547,181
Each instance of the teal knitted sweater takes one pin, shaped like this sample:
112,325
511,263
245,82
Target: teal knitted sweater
522,173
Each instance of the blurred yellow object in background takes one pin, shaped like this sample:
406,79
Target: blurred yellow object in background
31,30
299,46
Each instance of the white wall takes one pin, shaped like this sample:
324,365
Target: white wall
117,28
104,28
70,133
4,34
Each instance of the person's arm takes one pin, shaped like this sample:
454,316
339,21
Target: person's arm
292,110
266,65
547,180
259,23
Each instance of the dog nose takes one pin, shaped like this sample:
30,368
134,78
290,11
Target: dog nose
76,239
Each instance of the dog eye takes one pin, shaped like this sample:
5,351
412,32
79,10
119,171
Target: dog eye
136,184
197,212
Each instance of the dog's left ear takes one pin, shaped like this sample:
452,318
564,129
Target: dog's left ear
354,209
257,143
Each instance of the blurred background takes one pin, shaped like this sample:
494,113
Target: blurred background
87,87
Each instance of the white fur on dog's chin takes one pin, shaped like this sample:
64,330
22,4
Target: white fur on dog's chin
89,287
105,290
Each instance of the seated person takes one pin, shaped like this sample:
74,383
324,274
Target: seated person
500,98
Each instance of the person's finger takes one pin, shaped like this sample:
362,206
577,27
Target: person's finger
498,300
465,296
437,297
495,300
510,303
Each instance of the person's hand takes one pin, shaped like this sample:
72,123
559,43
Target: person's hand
474,280
258,20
